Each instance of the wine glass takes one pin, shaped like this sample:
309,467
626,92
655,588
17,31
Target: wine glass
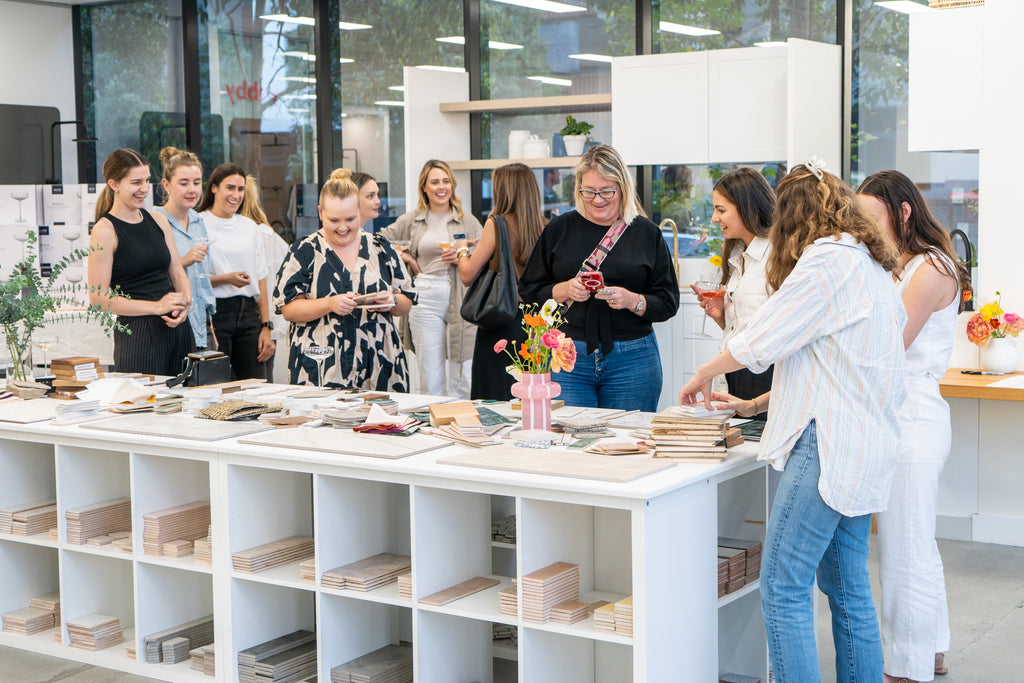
43,343
71,236
319,353
19,197
23,238
400,245
707,290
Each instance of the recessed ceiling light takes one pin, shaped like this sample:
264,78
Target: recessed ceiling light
903,6
300,79
349,26
345,60
390,103
551,81
545,5
299,53
670,27
493,44
285,19
587,57
450,69
297,96
771,43
397,88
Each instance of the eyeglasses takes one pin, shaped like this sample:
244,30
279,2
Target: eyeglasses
605,194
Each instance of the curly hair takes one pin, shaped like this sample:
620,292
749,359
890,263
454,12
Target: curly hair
808,209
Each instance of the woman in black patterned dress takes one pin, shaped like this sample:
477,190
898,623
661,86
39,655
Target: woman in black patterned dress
319,288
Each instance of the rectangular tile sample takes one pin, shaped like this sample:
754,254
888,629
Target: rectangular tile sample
177,426
344,442
558,463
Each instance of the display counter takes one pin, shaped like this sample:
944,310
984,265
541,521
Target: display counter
654,538
980,488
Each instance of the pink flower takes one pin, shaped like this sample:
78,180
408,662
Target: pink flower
978,330
500,346
1014,324
552,339
564,357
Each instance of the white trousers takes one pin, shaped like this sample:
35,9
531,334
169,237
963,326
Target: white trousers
915,617
438,375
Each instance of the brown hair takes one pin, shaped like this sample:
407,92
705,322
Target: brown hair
360,179
339,186
920,233
223,171
172,158
808,209
252,207
423,201
607,161
755,203
115,167
517,198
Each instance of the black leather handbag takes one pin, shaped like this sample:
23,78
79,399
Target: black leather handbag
492,298
203,367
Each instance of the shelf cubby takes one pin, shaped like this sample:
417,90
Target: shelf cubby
503,555
169,597
261,612
159,483
451,648
560,658
28,571
357,519
93,584
742,506
29,475
351,628
86,476
267,505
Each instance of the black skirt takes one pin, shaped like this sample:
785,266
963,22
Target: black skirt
488,378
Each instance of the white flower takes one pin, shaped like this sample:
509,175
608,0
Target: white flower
516,373
547,312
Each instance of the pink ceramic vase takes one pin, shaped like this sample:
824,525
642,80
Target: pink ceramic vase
536,391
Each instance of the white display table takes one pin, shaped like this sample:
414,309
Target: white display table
653,538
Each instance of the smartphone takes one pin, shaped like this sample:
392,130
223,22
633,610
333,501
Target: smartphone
592,281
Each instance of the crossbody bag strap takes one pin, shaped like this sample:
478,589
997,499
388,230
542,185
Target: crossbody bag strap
604,247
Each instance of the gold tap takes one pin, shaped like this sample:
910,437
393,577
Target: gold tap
675,242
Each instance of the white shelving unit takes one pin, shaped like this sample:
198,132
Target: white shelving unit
653,538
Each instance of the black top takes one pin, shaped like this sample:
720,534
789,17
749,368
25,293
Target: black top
141,259
640,262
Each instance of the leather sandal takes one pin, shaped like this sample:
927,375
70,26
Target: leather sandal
940,664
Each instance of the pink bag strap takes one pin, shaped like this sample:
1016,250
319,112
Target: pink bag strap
593,262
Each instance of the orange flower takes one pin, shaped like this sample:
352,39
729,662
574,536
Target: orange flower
524,351
534,320
978,330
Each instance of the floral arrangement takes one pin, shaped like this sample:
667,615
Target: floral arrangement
991,322
546,348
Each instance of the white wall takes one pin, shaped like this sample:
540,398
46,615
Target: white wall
39,67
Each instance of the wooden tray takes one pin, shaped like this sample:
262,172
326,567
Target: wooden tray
345,442
558,463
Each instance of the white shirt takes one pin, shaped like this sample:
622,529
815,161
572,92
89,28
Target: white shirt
238,247
834,331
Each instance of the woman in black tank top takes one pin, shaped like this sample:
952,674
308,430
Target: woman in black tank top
133,250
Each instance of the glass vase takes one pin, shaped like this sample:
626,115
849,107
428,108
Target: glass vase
536,390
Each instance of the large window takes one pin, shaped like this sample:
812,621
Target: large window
685,25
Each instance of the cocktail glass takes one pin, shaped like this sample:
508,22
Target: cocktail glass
319,354
44,342
707,290
19,197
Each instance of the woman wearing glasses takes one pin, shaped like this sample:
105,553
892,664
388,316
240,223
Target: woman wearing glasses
617,364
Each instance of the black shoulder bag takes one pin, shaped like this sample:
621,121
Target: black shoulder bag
492,298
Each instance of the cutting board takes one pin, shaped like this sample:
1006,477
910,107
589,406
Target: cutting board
558,463
346,442
177,426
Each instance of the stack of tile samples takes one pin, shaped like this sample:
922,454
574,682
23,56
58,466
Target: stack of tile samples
367,574
35,521
405,585
307,568
180,523
624,616
389,664
122,542
508,602
571,611
198,632
737,566
604,617
98,519
505,635
202,549
752,554
503,529
273,554
291,657
676,434
723,576
203,660
72,374
548,587
177,549
8,512
174,650
42,614
95,632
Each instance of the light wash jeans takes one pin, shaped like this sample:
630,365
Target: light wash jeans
806,536
430,337
628,378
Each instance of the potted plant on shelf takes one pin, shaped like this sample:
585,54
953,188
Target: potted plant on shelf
27,297
575,135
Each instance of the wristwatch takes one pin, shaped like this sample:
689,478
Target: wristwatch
268,324
639,303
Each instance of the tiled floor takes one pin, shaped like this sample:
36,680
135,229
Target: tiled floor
985,584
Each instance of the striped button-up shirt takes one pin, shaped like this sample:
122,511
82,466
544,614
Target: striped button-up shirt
834,332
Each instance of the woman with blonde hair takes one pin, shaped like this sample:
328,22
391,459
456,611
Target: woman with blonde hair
833,328
617,359
133,250
517,201
183,184
441,339
341,288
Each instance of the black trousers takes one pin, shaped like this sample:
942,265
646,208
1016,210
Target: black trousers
237,326
152,348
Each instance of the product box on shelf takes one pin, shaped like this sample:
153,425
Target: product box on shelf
61,204
90,195
13,249
18,205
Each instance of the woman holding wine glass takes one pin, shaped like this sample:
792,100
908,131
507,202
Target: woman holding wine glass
134,271
340,289
183,183
743,204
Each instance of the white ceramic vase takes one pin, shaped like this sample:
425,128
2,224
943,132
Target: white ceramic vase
1000,355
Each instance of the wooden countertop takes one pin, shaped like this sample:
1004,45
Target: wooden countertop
955,384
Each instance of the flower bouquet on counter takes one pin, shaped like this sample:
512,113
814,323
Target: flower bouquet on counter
991,322
546,348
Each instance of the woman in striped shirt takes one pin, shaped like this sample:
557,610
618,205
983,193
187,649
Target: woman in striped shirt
833,328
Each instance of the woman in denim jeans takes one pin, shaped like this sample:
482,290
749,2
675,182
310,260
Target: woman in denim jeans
833,328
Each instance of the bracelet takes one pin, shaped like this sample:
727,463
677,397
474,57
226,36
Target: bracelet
756,411
461,251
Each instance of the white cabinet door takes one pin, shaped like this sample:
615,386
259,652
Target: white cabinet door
747,104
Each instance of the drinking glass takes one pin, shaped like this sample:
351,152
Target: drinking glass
19,197
400,245
23,238
707,290
318,353
44,342
71,236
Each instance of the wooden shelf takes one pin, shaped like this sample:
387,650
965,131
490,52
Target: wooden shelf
601,101
491,164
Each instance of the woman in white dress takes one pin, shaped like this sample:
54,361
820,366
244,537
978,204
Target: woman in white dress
914,616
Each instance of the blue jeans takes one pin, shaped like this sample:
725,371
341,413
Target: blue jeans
628,378
806,535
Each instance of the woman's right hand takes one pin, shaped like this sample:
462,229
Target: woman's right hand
410,261
341,304
744,407
195,255
570,290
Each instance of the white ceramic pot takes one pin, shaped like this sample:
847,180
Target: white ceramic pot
535,148
516,138
574,144
1000,355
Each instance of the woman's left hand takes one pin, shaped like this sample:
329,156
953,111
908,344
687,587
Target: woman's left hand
618,297
266,345
448,256
177,316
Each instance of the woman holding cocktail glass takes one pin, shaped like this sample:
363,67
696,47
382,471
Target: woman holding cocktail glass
743,205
